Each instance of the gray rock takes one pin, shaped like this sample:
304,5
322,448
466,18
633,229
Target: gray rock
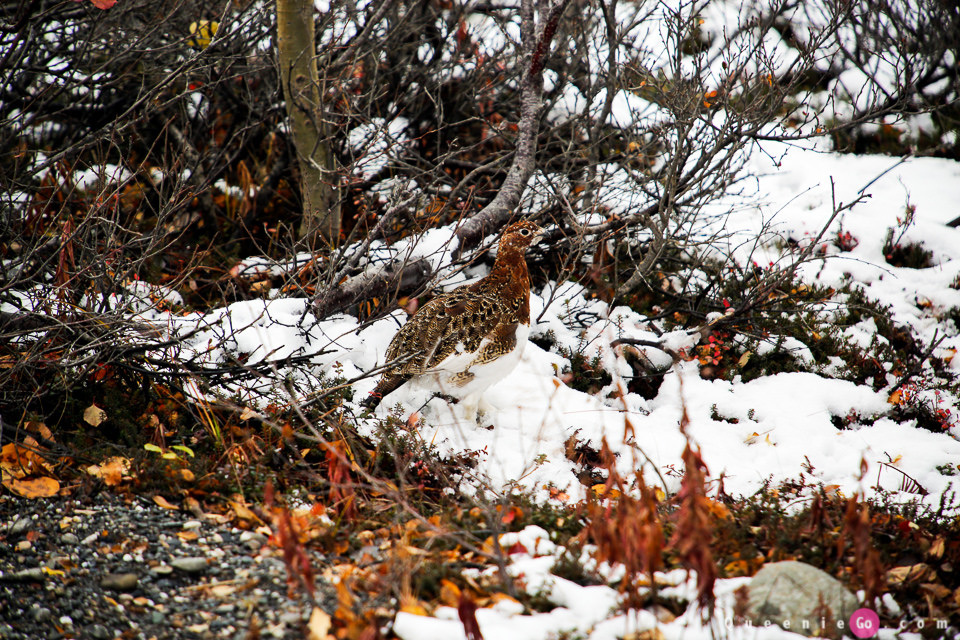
33,574
19,527
98,632
120,581
70,539
800,598
41,614
190,565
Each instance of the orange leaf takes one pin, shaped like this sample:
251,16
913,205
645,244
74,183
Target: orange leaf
103,4
162,502
449,593
19,461
42,487
112,470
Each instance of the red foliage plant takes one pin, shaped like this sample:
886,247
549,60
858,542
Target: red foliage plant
626,529
857,528
694,533
287,537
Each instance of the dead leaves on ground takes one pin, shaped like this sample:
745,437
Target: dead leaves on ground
25,469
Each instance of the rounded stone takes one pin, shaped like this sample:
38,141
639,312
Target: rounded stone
120,581
190,564
800,598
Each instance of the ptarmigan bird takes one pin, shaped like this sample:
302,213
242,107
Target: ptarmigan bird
461,342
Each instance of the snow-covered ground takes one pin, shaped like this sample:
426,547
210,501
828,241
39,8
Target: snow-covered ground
772,428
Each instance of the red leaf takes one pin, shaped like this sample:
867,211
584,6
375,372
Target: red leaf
103,4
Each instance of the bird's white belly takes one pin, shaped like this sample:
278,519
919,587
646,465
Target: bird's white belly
484,375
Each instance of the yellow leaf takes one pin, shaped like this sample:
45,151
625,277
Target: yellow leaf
53,572
744,358
94,415
202,32
42,487
319,625
601,491
152,447
894,397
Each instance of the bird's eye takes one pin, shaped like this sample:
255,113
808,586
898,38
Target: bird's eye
525,232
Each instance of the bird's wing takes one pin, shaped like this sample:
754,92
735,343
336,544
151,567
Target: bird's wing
461,319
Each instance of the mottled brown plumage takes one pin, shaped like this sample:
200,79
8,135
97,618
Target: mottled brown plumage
456,333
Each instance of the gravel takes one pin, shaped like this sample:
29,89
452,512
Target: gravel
114,568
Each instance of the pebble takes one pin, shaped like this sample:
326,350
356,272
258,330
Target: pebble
41,614
103,599
120,581
192,524
253,541
190,564
24,545
33,574
19,527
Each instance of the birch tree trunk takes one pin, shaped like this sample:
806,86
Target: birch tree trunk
296,45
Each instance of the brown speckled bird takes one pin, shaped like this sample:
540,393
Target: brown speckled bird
461,342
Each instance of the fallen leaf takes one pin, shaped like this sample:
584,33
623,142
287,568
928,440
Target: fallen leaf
162,502
319,624
103,4
243,512
42,487
19,461
112,471
94,415
221,590
188,536
937,547
41,429
911,573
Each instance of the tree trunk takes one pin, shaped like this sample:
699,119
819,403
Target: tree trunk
296,45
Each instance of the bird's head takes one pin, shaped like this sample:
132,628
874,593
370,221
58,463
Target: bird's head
520,235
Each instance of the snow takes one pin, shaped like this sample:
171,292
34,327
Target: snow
771,428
